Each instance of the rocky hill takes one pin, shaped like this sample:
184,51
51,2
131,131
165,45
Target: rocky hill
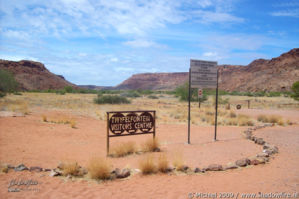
34,75
277,74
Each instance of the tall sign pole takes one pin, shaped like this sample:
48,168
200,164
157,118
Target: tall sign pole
202,74
216,109
189,106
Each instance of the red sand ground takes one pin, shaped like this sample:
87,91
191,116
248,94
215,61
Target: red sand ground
30,141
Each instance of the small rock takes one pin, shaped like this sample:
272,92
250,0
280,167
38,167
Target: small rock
257,161
37,169
262,155
197,170
253,138
21,167
157,150
215,167
123,174
230,166
54,173
47,170
242,162
185,168
260,141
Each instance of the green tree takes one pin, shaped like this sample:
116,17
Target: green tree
8,84
295,89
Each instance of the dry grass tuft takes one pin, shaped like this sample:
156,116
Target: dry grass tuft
163,163
73,123
99,168
244,120
274,118
262,118
44,118
232,114
71,168
124,149
178,162
151,145
147,165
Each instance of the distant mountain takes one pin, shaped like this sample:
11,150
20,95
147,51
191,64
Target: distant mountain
34,75
93,87
277,74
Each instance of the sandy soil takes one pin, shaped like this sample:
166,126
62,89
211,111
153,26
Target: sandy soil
30,141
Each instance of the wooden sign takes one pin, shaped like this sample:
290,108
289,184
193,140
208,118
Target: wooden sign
125,123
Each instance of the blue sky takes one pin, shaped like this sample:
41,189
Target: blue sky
103,42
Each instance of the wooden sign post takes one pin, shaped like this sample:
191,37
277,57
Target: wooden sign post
126,123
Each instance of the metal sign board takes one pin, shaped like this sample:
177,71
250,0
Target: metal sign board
125,123
203,74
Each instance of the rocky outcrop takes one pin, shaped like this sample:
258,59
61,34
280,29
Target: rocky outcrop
32,75
277,74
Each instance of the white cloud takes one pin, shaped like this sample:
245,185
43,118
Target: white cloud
212,17
141,43
286,13
18,57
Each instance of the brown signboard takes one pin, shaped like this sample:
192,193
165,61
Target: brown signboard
125,123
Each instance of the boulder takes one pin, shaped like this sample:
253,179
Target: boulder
21,167
243,162
214,167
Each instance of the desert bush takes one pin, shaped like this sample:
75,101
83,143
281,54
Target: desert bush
232,122
44,118
273,94
244,120
262,118
274,118
72,123
131,94
99,168
295,89
183,93
70,168
111,99
8,84
60,92
147,165
153,97
178,162
163,163
232,114
124,149
151,145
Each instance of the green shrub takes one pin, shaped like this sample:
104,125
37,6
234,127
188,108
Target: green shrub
273,94
8,84
111,99
60,92
131,94
295,89
153,97
68,89
183,93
